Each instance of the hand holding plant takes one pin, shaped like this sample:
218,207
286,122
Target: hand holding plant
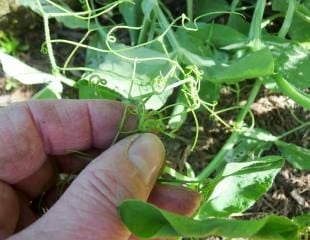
34,138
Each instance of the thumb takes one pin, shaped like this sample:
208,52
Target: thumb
88,209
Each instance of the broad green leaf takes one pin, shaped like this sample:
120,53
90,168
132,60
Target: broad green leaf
210,7
297,156
91,90
152,222
132,13
303,220
254,64
240,186
292,61
300,27
154,76
239,23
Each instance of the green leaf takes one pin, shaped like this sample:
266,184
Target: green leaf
300,27
89,90
74,22
209,91
154,76
303,220
208,35
151,222
239,23
240,186
297,156
132,13
254,64
209,7
260,135
292,61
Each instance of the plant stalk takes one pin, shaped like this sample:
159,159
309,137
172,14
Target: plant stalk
145,27
190,5
288,19
220,157
164,24
256,30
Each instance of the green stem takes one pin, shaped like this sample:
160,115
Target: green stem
164,24
190,5
294,130
255,30
145,27
289,90
49,46
220,157
288,19
233,7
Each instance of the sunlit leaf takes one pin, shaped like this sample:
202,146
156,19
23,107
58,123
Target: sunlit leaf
297,156
240,186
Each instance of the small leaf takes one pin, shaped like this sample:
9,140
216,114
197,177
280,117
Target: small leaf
240,186
51,91
88,90
152,222
297,156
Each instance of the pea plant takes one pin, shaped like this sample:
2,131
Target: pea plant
166,65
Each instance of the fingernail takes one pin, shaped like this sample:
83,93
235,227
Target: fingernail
147,153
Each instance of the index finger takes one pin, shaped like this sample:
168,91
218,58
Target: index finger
31,130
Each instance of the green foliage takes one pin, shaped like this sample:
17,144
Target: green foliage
150,221
252,65
171,67
239,186
10,44
295,155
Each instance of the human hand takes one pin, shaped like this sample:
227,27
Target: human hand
35,136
